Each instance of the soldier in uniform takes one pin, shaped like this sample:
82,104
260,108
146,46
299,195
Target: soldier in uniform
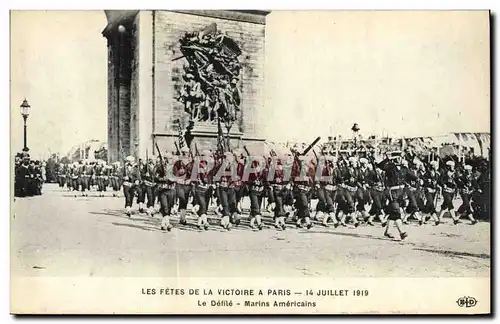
302,189
182,169
61,175
449,187
84,174
412,192
101,174
75,177
202,188
131,182
226,188
148,186
280,183
467,184
362,194
115,178
330,188
395,184
256,190
164,177
375,181
141,195
431,187
349,189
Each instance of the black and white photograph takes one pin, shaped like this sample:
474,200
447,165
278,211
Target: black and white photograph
250,162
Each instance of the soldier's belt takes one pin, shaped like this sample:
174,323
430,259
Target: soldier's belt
186,181
278,187
431,190
330,187
397,187
448,190
378,188
303,188
127,183
167,186
412,188
351,189
202,186
224,184
148,183
466,191
257,188
74,177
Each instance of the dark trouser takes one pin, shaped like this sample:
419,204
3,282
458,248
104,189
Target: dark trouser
84,182
75,184
167,199
396,198
330,197
362,198
224,194
147,192
320,194
234,198
270,196
447,201
429,208
255,201
412,202
279,200
303,204
465,208
378,202
348,201
61,181
100,184
202,197
183,191
129,192
115,183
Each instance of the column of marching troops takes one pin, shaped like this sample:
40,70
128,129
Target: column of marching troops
29,176
353,189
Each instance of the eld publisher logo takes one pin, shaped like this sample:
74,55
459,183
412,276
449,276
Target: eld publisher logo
467,302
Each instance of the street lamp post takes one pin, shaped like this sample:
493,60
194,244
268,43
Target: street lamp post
25,111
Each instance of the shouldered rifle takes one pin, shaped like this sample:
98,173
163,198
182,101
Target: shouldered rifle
162,162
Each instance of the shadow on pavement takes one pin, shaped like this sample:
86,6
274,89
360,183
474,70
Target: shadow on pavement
456,254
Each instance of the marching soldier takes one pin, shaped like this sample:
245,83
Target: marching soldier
302,189
101,174
256,189
75,177
131,182
115,178
330,188
377,192
227,196
280,187
467,184
349,189
362,194
412,188
449,185
202,188
395,178
431,189
148,186
182,169
166,191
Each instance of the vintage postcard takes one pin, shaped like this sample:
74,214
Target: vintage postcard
250,162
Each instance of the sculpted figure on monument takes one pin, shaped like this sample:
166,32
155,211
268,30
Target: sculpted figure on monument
211,76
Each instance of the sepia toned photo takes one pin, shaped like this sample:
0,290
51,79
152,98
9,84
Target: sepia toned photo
250,162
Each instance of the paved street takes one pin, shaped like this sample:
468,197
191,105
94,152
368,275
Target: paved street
59,235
